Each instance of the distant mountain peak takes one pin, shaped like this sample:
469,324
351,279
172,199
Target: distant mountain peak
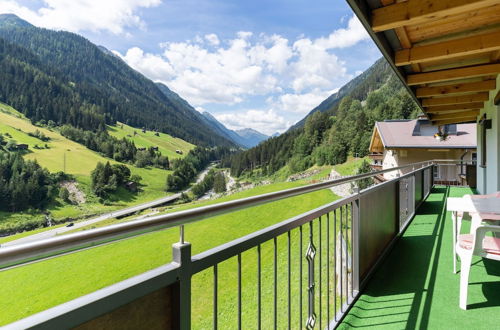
13,20
248,131
246,137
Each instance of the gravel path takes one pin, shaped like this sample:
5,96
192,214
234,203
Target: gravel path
342,190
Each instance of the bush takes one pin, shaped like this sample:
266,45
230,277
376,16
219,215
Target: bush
64,194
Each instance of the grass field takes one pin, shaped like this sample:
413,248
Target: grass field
60,153
350,166
38,286
166,144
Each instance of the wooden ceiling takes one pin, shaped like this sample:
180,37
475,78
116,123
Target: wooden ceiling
448,53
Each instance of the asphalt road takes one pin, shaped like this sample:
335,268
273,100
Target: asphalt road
119,213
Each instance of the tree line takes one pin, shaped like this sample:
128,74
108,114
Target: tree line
24,184
186,169
121,150
213,180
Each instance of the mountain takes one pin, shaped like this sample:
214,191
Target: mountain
252,136
358,86
339,126
63,77
246,137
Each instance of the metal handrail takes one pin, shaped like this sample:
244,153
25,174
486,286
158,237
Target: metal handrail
22,253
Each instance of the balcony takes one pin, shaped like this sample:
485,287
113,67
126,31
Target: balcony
415,288
380,257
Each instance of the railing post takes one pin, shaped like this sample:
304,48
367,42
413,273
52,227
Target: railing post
356,212
182,256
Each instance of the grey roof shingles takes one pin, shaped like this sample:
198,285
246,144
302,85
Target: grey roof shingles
398,134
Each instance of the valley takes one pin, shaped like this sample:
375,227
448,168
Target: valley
61,154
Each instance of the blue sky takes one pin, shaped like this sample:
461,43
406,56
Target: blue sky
259,64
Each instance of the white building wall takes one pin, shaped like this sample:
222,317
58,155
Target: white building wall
400,157
488,179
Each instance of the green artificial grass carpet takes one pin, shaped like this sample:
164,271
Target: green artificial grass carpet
415,287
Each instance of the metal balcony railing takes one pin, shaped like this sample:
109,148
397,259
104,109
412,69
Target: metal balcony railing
326,255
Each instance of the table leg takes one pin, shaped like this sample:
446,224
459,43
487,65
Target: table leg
454,219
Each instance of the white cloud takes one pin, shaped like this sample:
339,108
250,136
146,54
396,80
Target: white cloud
302,103
152,66
212,39
264,121
83,15
294,77
342,38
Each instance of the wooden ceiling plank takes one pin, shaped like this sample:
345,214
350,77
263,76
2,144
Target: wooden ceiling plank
464,106
479,97
478,86
454,121
432,112
449,49
462,114
414,12
453,74
466,24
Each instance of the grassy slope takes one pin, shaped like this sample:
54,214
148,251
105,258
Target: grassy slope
350,166
80,161
35,287
166,144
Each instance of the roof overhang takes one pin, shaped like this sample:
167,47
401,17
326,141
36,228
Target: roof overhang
376,142
446,52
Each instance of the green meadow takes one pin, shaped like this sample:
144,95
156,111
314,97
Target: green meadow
60,154
166,144
38,286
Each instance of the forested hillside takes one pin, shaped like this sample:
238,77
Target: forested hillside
61,76
329,135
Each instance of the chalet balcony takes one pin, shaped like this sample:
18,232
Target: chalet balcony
381,257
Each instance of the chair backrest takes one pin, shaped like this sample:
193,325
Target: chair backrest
486,246
492,195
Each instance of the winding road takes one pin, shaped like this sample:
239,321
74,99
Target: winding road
115,214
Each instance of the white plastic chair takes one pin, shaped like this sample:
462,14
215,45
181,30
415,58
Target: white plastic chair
475,218
476,244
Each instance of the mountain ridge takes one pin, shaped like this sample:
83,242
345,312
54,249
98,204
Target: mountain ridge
97,87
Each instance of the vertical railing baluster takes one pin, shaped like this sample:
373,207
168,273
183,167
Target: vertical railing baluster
328,267
300,277
335,264
275,283
289,286
341,262
352,249
310,254
347,250
259,291
215,296
320,277
239,290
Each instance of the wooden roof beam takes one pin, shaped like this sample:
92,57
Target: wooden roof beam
449,49
454,121
479,97
453,107
479,86
453,74
414,12
496,101
462,114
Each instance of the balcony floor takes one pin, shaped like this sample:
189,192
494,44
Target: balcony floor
415,287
